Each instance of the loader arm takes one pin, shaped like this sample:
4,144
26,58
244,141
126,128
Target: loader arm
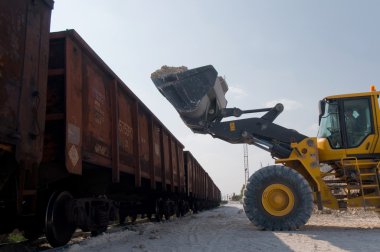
198,96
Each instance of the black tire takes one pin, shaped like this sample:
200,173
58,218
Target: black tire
292,213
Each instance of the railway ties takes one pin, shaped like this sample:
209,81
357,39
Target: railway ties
41,244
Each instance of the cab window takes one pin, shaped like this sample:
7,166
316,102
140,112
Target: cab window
329,125
357,120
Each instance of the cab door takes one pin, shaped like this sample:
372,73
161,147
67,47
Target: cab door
357,120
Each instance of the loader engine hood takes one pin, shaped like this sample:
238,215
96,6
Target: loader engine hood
197,94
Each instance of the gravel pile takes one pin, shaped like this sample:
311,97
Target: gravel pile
166,70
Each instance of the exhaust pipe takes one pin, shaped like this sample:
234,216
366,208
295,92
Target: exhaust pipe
197,94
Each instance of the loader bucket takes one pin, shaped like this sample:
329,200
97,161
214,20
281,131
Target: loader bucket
197,94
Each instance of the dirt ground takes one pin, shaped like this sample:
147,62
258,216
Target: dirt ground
227,229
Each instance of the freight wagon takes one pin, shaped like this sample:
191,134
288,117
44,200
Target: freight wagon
201,191
24,51
77,147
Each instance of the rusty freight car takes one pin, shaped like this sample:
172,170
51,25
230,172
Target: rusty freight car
102,140
24,50
104,123
201,191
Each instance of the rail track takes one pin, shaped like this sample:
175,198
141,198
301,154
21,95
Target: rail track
41,244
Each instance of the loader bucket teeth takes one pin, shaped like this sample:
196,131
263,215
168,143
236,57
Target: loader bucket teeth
197,94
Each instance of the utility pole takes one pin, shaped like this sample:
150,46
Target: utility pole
246,166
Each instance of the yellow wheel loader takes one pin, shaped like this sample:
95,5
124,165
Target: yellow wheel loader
337,169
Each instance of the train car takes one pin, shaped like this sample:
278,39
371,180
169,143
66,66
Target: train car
24,50
101,140
77,148
201,191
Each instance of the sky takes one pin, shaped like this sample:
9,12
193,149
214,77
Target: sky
295,52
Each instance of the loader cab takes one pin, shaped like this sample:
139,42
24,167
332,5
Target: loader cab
348,126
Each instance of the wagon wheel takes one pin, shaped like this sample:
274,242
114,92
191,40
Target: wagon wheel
133,218
167,214
122,216
58,226
168,209
178,209
158,210
185,208
98,231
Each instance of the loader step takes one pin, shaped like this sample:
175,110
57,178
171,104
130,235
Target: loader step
340,196
363,186
371,197
369,163
368,174
337,186
370,186
332,181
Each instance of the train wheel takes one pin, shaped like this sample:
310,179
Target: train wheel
185,208
167,215
133,218
98,231
122,215
158,211
278,198
195,207
58,227
178,208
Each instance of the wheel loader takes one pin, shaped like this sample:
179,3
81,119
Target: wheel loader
337,169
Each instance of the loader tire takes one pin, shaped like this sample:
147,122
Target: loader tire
278,198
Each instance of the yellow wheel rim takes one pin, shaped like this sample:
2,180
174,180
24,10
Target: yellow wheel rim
278,199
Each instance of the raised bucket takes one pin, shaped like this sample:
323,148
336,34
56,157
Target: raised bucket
197,94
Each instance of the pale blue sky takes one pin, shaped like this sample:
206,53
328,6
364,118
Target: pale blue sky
292,51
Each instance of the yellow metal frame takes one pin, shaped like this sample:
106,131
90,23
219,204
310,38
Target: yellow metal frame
304,159
376,93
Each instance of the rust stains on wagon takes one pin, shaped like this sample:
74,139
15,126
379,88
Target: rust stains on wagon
112,127
24,40
24,48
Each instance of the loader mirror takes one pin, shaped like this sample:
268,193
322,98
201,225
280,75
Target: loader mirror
322,105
